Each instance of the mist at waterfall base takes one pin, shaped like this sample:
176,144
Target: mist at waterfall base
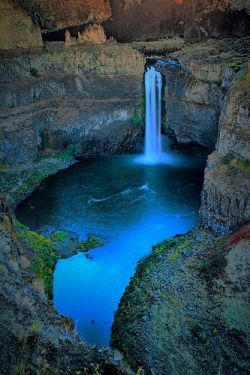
132,207
153,140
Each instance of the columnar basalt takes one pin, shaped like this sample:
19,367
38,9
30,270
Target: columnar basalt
197,78
74,95
225,199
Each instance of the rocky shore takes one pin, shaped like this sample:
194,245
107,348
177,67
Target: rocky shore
186,310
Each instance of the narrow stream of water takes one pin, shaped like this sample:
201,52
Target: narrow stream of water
131,206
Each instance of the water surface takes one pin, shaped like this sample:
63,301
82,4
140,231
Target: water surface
129,204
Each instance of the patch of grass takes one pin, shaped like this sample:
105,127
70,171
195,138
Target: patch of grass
91,243
20,369
59,236
21,335
45,252
233,169
35,327
34,73
226,159
214,262
243,164
50,165
174,247
135,304
244,81
45,142
235,165
4,269
235,64
136,119
45,256
4,167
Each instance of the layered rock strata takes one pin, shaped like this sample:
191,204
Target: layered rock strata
84,96
226,194
197,78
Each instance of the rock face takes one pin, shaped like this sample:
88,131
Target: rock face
226,196
196,20
192,107
196,80
51,14
234,134
75,95
187,303
16,28
93,34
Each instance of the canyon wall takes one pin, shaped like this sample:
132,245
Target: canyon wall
196,80
53,14
225,198
125,20
16,28
81,95
206,101
195,20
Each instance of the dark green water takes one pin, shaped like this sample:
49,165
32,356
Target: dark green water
129,204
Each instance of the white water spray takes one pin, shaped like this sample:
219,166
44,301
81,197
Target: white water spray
153,88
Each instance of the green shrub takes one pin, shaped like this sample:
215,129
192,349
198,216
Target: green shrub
226,159
20,369
4,167
243,164
136,119
45,255
34,73
59,236
91,243
4,269
35,327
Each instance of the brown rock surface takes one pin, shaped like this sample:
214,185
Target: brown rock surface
53,14
92,34
16,28
81,94
198,19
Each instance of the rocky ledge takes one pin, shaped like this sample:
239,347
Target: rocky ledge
186,310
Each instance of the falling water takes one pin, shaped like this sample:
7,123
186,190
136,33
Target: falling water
153,88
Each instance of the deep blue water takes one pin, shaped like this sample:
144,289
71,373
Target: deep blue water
130,205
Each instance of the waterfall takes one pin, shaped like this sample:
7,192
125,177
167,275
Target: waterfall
153,153
153,88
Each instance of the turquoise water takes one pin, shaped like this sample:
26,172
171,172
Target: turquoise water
128,204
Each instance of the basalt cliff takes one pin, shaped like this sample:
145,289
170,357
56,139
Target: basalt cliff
68,91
